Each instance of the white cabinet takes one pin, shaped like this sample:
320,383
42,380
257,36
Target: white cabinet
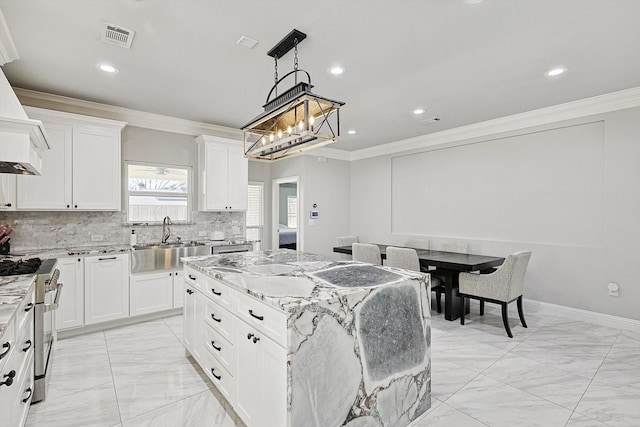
178,289
7,192
70,312
223,174
151,292
106,281
241,346
82,169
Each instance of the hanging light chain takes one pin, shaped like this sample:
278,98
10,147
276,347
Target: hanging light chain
295,53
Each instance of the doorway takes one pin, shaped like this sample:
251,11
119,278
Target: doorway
286,214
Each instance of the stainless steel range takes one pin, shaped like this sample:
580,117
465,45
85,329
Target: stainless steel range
47,296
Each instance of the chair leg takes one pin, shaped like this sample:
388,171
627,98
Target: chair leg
505,319
439,300
481,308
520,312
462,302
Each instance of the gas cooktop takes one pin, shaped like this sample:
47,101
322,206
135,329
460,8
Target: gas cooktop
12,268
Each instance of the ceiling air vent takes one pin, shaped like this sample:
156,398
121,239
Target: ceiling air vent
117,35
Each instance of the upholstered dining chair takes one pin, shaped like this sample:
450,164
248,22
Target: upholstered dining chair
347,240
366,252
405,258
437,281
503,286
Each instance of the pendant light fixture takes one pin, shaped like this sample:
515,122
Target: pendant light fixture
296,120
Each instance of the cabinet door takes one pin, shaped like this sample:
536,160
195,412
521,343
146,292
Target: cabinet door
7,192
273,384
249,394
52,189
238,179
96,168
151,292
178,289
214,174
106,288
189,321
70,312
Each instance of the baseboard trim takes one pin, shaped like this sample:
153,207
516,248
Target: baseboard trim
539,307
117,323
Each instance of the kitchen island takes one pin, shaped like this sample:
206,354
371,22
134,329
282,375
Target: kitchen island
300,340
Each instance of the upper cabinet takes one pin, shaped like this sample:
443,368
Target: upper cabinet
81,171
7,192
223,174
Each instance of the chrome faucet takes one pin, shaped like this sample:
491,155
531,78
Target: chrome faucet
166,231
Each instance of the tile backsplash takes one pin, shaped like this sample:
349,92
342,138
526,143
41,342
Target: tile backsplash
45,230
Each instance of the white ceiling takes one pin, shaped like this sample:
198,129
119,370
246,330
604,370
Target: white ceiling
464,63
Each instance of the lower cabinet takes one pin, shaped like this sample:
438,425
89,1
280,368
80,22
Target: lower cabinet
151,292
70,312
245,359
106,280
178,289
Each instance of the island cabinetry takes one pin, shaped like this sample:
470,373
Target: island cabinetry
82,169
16,365
223,173
7,192
106,288
193,325
70,312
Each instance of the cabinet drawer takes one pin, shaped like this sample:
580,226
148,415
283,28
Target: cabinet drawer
220,293
221,378
266,319
195,278
220,319
221,348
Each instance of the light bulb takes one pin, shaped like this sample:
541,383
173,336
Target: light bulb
279,134
301,125
271,138
264,141
312,120
289,129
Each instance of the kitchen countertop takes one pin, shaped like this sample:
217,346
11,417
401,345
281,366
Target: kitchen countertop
12,291
289,279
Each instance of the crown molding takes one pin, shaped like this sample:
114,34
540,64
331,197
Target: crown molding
8,51
137,118
606,103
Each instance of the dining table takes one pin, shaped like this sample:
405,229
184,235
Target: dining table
449,265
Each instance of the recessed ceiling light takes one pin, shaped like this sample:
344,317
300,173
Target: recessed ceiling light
555,71
351,132
418,111
336,71
247,42
472,1
108,68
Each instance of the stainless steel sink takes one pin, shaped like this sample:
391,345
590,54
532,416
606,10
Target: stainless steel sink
163,256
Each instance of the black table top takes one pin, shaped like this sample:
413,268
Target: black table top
441,259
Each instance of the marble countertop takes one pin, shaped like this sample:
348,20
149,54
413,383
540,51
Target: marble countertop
290,279
12,291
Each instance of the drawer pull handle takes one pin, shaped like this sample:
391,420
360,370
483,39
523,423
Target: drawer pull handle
213,291
30,391
192,277
6,345
107,259
218,377
189,291
213,316
29,344
255,315
28,307
255,339
9,380
249,336
213,344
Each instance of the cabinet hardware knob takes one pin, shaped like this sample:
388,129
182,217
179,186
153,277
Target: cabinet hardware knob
192,277
29,344
68,206
213,344
213,291
28,307
256,339
6,345
79,259
218,377
8,205
75,206
9,378
249,336
255,315
213,316
26,399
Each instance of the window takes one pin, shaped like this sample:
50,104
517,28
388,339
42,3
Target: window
292,211
155,191
255,214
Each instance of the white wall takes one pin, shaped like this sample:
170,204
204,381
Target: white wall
567,192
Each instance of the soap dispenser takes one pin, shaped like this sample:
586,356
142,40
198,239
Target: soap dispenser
133,238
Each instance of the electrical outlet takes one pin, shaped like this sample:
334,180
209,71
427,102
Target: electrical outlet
97,238
202,233
613,289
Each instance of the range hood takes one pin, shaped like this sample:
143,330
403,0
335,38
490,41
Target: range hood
21,139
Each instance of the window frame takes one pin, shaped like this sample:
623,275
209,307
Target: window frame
260,228
189,194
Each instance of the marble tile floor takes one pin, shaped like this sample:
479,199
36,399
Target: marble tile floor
557,372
